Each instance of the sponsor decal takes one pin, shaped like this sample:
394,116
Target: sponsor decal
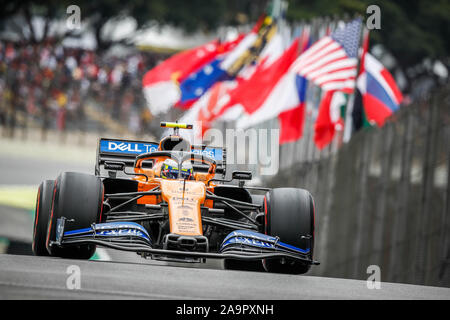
129,147
186,219
249,241
255,239
215,153
119,225
122,232
111,229
121,229
250,234
114,146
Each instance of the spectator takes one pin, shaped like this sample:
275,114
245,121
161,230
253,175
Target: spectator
51,85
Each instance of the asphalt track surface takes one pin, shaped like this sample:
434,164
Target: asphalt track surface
46,278
16,170
128,276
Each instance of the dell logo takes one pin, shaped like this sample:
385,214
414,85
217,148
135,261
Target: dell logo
123,147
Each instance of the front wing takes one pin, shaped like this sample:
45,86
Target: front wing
129,236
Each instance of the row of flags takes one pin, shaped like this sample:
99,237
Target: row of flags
161,85
254,78
377,93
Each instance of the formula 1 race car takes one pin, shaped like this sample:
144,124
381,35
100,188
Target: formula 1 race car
167,202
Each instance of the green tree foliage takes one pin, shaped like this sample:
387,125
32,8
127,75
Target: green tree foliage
410,29
190,15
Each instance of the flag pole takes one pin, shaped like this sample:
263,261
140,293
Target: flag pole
348,123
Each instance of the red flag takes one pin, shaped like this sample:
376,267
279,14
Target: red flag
291,124
329,117
161,83
182,64
291,121
252,93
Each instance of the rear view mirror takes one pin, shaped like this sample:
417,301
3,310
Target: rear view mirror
147,164
241,175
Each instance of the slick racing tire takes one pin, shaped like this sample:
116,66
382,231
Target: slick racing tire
290,215
41,215
77,197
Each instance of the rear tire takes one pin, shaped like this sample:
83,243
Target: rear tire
41,216
290,215
77,196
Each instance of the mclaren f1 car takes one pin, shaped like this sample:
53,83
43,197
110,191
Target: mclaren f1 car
170,201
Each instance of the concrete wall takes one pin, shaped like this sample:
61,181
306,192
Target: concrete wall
383,198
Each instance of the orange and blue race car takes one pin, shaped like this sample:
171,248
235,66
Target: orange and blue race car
170,201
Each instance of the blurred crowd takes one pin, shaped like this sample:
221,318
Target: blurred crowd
52,86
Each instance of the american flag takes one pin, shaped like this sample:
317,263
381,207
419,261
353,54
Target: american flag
332,61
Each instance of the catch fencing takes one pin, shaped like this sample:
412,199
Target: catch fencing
382,198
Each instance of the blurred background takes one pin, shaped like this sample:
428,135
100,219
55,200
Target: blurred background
381,191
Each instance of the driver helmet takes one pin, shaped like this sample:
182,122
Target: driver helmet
169,170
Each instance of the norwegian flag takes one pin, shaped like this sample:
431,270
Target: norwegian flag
332,61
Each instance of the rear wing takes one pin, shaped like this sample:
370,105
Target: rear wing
113,151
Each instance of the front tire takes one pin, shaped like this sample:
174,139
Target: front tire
290,215
41,216
77,196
